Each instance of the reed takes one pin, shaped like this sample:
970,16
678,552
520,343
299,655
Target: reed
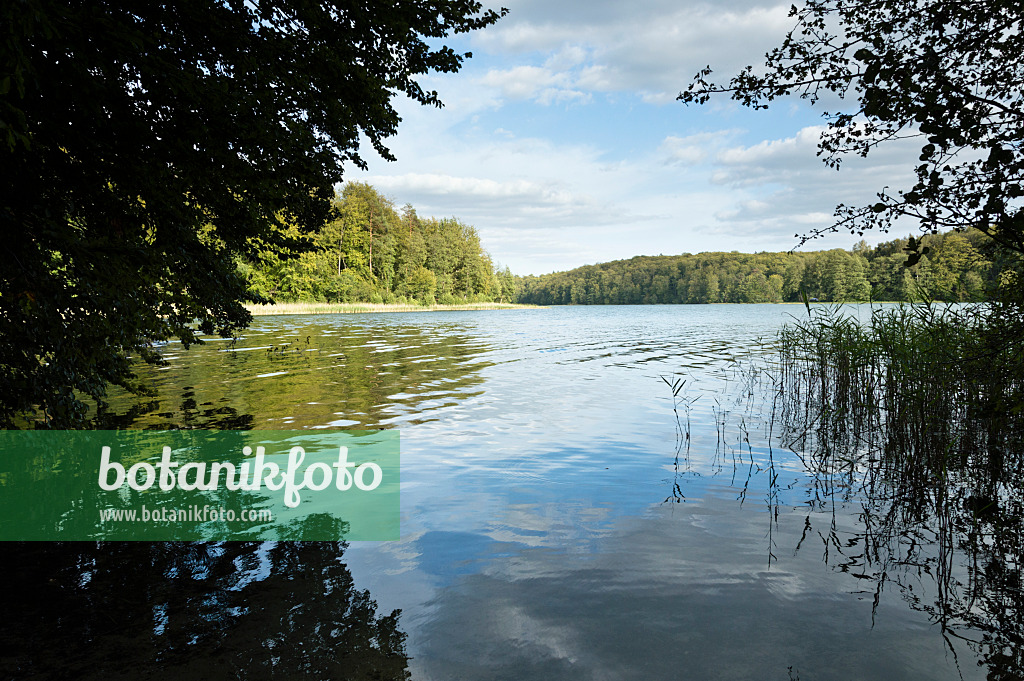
353,308
909,423
929,389
915,415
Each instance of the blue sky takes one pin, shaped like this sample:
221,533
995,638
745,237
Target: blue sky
562,143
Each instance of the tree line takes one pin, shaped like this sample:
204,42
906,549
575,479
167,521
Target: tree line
369,251
952,266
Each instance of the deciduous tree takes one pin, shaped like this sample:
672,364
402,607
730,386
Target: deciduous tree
145,147
945,72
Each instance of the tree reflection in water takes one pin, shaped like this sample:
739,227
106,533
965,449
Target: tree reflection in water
231,610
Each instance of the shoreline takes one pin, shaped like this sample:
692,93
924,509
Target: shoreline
363,308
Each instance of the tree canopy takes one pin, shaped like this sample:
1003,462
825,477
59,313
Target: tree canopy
957,268
147,147
946,72
372,253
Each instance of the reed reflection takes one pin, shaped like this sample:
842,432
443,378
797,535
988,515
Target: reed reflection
932,454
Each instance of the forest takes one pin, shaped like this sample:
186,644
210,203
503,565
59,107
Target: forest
372,252
951,266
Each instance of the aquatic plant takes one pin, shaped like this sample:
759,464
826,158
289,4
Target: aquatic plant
682,451
915,415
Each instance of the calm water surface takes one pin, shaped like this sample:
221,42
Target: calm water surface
556,521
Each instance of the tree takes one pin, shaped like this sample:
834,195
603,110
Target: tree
944,71
422,284
506,285
146,148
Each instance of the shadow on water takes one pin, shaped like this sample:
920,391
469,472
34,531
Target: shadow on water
234,610
189,415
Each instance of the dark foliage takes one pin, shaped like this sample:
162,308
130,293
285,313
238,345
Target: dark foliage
147,146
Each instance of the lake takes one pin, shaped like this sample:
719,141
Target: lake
564,516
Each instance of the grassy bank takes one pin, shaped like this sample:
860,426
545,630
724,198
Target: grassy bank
350,308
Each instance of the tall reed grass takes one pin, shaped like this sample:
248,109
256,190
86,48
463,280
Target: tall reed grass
916,414
931,389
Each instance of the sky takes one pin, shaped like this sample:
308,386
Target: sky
562,143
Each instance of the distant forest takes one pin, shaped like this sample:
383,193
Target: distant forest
375,253
955,267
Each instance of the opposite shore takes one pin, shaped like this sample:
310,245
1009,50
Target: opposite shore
350,308
355,308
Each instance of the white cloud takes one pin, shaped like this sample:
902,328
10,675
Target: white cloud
599,167
650,48
542,206
472,187
506,203
794,161
794,190
522,82
562,96
693,149
568,56
776,153
543,84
